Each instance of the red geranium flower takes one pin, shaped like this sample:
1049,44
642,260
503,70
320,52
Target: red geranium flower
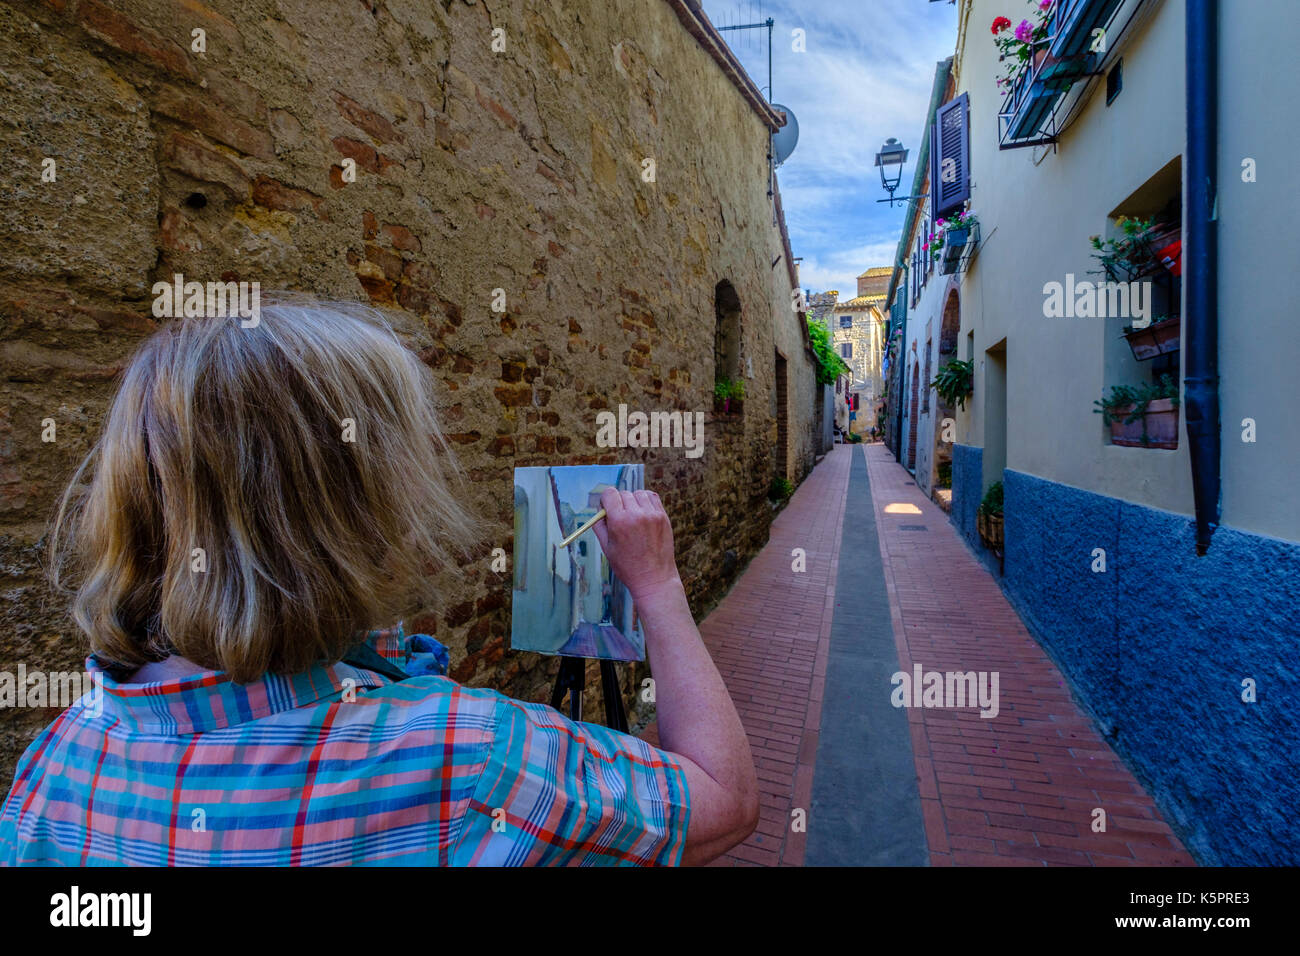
1000,24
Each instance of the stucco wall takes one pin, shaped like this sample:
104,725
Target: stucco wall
1038,207
477,170
1159,645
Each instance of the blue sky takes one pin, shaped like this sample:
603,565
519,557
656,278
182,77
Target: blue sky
865,76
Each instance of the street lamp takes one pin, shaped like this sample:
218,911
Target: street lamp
890,159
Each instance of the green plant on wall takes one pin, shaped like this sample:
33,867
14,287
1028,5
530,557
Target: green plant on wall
725,388
1128,255
1135,398
992,503
780,489
829,365
955,382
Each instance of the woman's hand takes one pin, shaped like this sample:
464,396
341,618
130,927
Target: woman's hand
637,538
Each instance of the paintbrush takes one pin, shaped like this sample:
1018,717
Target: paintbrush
573,537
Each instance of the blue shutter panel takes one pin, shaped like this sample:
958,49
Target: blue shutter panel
950,141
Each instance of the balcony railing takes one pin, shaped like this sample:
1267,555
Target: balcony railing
1072,51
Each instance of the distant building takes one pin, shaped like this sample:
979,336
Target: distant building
857,333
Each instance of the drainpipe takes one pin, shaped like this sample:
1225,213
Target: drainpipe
902,371
1201,266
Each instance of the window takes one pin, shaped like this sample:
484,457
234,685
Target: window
929,259
1114,82
726,333
925,382
950,156
846,350
846,321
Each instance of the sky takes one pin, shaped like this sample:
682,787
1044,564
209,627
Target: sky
866,75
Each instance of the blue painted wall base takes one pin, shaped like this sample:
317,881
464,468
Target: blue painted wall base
1158,646
967,482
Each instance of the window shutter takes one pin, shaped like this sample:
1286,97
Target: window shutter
950,140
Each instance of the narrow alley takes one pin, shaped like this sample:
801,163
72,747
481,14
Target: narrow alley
908,786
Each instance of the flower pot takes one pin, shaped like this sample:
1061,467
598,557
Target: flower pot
1157,428
1157,339
990,530
954,246
728,406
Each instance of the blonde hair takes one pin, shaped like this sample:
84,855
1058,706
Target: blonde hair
234,440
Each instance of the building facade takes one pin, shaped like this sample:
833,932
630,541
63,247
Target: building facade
555,226
1161,570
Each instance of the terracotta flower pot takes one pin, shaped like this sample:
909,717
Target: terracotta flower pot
1157,428
990,530
1155,339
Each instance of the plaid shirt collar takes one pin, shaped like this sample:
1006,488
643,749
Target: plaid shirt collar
211,700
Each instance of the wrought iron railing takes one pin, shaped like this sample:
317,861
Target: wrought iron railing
1074,49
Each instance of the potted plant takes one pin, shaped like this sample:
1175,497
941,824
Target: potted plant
1023,45
1139,250
950,240
1142,416
725,391
1158,338
989,517
955,383
943,474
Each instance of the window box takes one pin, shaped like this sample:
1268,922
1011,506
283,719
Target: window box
1031,99
959,248
954,244
990,529
1159,338
1157,428
728,407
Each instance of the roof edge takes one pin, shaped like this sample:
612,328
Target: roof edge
698,25
941,71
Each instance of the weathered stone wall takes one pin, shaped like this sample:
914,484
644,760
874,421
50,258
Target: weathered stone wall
477,170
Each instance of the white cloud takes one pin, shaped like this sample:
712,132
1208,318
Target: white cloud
866,76
839,268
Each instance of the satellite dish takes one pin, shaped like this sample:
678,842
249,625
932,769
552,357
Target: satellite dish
786,138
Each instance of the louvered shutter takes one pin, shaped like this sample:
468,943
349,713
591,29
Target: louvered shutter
950,141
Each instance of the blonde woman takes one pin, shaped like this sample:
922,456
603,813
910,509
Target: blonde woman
262,498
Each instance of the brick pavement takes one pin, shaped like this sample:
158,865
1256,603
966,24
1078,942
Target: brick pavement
770,637
1020,788
1015,790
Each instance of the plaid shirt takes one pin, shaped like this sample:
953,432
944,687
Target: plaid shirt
339,766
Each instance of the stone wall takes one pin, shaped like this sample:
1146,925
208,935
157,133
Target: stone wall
520,169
